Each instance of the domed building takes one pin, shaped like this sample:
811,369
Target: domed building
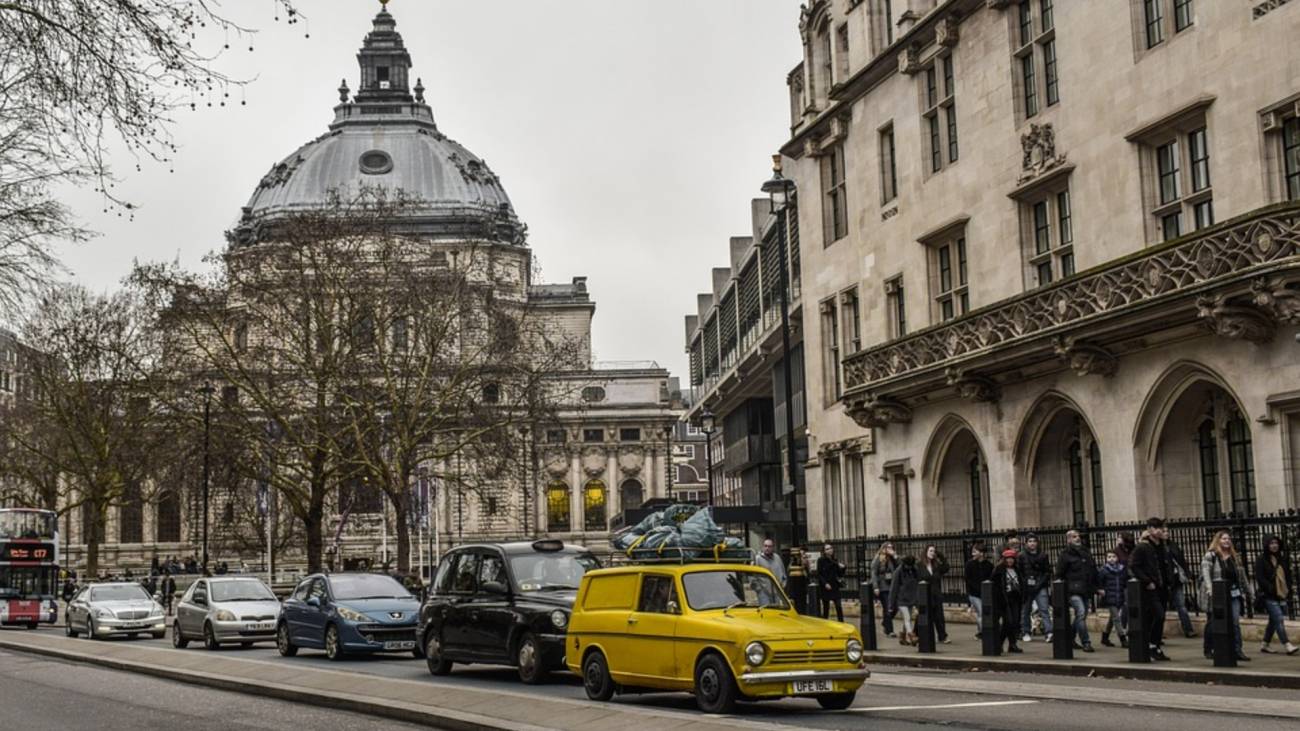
607,451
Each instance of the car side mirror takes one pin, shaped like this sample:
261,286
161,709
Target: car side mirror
495,587
674,607
313,601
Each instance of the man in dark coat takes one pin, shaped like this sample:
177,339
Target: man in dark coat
830,575
168,589
1149,565
1008,593
1035,570
978,570
1079,572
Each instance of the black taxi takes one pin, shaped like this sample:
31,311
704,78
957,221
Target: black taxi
503,604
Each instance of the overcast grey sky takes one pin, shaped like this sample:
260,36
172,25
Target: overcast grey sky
630,135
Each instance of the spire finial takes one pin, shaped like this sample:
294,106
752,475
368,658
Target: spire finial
419,90
343,90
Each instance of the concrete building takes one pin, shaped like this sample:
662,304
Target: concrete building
1051,252
690,480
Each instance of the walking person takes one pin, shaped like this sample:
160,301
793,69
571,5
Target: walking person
1222,562
1113,576
1008,596
1079,572
830,579
978,570
769,559
797,581
1182,578
931,569
1148,566
882,578
168,591
1124,549
1274,581
904,595
1036,570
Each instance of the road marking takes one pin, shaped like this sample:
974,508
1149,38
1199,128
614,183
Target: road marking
874,709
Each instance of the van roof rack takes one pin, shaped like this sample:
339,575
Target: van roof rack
681,555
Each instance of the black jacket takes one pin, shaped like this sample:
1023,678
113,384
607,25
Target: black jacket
934,578
905,591
1002,597
1079,572
1148,565
829,571
1035,568
977,572
1266,573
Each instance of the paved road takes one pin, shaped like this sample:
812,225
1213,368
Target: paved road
896,700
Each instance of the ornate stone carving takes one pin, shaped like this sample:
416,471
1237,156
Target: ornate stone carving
1039,152
972,386
1157,274
1279,300
909,59
1243,321
594,461
1085,359
473,171
555,462
946,33
872,412
630,460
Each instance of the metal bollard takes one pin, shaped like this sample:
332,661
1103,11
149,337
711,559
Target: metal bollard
1063,639
990,622
814,607
1225,650
867,601
924,622
1138,651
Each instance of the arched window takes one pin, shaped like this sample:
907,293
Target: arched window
169,517
631,494
1098,494
1209,448
557,506
1241,466
976,494
1080,511
593,506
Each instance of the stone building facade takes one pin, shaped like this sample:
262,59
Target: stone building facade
1051,261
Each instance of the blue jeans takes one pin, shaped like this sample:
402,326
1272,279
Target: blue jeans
1180,605
1044,609
977,604
1080,608
1234,621
1276,621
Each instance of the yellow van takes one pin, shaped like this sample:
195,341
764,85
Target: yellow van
725,632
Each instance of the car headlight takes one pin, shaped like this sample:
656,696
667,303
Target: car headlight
353,615
756,653
560,619
157,608
853,650
225,615
105,614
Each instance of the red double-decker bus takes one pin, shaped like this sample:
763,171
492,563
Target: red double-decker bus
29,566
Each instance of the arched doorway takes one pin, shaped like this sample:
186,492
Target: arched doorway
1061,459
557,506
593,506
631,494
957,470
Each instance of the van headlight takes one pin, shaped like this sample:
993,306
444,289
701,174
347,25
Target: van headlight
756,653
853,650
560,619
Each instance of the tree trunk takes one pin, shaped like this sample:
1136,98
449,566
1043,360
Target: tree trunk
402,509
92,542
315,536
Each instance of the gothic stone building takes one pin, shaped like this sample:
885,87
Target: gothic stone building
1051,261
610,449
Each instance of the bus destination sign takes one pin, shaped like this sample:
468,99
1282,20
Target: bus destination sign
26,552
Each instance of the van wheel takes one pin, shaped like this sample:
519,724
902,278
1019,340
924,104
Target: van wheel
715,689
283,643
178,638
438,665
529,659
837,701
595,677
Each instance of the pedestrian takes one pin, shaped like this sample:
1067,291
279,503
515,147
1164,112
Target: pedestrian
769,559
1114,589
1008,596
1182,578
797,581
978,570
931,569
1222,562
1148,565
1124,548
1035,568
69,588
830,579
1011,542
168,591
1079,572
1274,581
882,579
904,595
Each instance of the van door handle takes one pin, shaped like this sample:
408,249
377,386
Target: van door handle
631,620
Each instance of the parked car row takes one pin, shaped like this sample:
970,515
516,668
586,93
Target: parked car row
725,632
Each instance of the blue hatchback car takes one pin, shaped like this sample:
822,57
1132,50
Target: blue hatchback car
346,614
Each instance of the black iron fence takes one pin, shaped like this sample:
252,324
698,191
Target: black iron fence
1193,536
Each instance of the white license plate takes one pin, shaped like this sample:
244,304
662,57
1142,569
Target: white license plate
399,645
813,687
259,626
135,625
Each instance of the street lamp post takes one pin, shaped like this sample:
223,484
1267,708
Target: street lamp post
779,190
706,425
206,390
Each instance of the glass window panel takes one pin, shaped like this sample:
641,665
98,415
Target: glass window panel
946,308
1167,162
1079,509
936,146
948,86
1045,14
961,261
1199,147
1030,87
1291,157
1209,449
1154,11
1049,72
1067,265
931,88
1045,273
952,132
1098,493
945,269
1183,15
1026,23
976,495
1042,228
1171,226
1204,214
1241,467
1065,224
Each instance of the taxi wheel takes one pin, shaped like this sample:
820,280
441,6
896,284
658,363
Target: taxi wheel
438,665
283,643
595,677
210,638
67,628
333,645
836,701
715,690
528,657
178,639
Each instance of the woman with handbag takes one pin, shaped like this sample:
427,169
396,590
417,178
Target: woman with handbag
1222,562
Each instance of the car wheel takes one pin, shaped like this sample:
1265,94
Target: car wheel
528,657
178,639
715,689
438,665
31,625
67,628
333,645
283,643
837,701
210,638
595,677
90,630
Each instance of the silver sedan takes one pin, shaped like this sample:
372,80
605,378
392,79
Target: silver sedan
226,610
119,608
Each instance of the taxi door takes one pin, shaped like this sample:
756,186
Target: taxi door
652,629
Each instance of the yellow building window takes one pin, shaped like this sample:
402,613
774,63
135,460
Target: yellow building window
557,506
593,506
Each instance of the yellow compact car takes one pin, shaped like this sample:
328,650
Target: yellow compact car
725,632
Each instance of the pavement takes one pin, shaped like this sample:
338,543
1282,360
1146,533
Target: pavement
399,688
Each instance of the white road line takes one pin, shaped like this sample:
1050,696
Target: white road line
875,709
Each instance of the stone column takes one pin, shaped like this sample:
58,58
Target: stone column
613,500
576,482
